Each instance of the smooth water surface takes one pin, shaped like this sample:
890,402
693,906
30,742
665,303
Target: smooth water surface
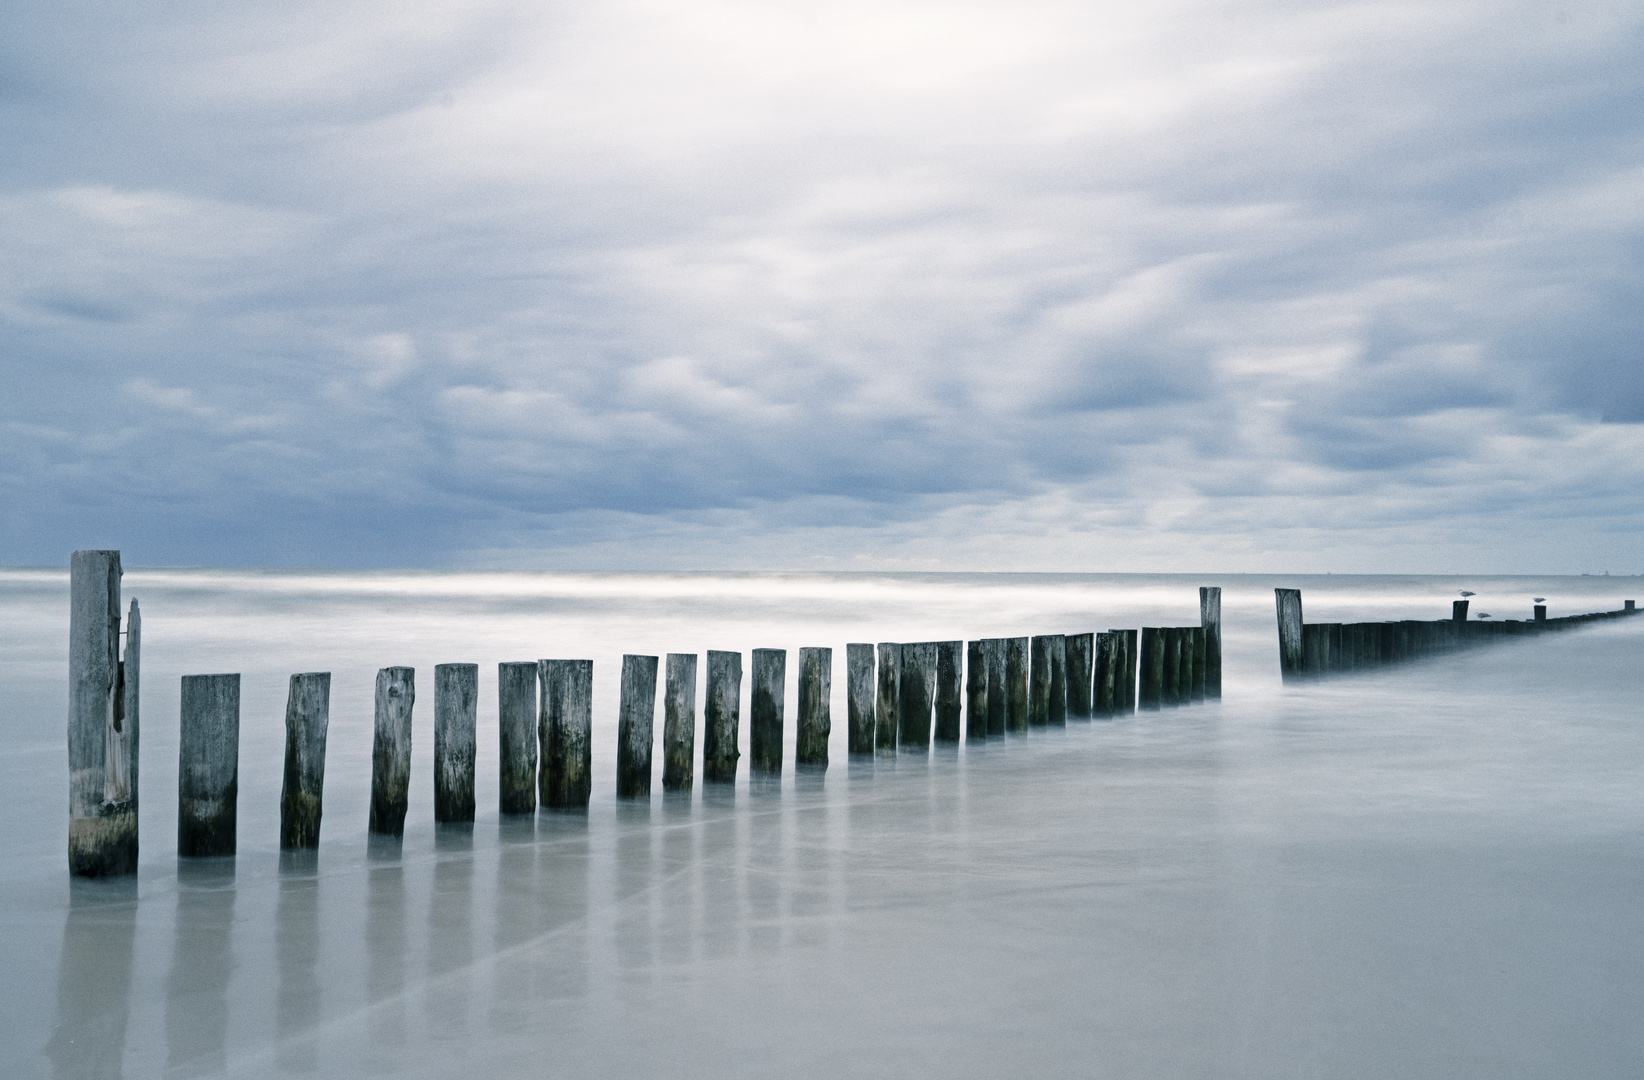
1430,872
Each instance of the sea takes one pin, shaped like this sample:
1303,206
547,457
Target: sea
1429,871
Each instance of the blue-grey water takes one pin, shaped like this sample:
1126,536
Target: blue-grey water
1430,872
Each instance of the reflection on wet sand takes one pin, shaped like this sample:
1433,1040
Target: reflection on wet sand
385,946
297,945
451,932
88,1041
202,959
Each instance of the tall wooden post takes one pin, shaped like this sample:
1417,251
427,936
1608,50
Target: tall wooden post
1081,660
1289,605
391,750
917,683
949,675
456,732
517,737
993,654
1039,681
976,691
1018,668
307,718
815,722
770,674
1056,715
722,717
888,700
636,723
566,733
1102,680
679,723
1210,617
859,697
102,721
1151,694
208,765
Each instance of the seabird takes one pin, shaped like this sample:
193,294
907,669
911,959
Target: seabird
1464,592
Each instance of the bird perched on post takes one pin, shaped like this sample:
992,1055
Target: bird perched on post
1464,592
1540,599
1484,614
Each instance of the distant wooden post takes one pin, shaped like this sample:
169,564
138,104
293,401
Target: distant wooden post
391,750
1458,610
815,722
1151,695
1210,617
722,717
1081,659
517,737
917,685
1288,602
1170,691
888,701
770,673
1541,612
208,765
1039,681
1016,684
307,718
1628,605
859,697
950,666
566,733
636,724
679,723
976,691
993,655
1196,650
102,721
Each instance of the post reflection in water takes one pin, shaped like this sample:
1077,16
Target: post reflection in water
636,894
722,894
681,888
451,932
385,941
202,960
297,945
94,980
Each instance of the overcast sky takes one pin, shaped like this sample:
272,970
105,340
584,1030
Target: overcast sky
1067,286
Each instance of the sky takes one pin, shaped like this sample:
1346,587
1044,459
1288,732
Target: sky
1179,286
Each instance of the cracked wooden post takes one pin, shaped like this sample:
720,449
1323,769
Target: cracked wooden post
722,717
208,765
1289,605
517,737
1210,617
391,750
993,654
307,718
976,691
636,722
815,721
1151,694
859,696
887,702
679,723
1081,674
950,668
1016,684
456,733
565,731
765,720
102,721
916,684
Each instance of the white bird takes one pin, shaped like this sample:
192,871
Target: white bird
1464,592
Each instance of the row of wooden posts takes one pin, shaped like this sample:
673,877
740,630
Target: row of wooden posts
1320,650
989,688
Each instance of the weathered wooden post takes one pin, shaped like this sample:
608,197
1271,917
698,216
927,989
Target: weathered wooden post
307,718
391,750
456,731
1210,617
815,708
1458,610
566,733
517,737
1039,681
770,673
102,720
1151,695
1102,682
1056,715
949,673
888,701
976,691
722,717
208,765
679,723
1016,684
1081,658
1133,660
1170,687
1628,605
993,655
1195,652
636,723
859,697
1541,612
1315,643
1288,602
917,679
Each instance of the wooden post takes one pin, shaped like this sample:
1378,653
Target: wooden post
1628,605
1170,688
950,665
102,722
679,723
391,750
1133,659
1288,602
1196,649
815,722
1210,617
1016,684
993,655
888,702
1541,612
1458,610
1081,657
208,765
770,673
859,694
307,718
636,724
1056,715
917,679
976,691
456,731
1039,682
1151,694
1102,680
1315,644
566,733
1332,646
722,718
517,737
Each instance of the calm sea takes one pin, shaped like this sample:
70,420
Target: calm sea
1433,872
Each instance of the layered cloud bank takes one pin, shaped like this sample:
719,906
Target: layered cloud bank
1230,286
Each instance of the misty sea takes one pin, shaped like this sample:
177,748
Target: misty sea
1432,871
